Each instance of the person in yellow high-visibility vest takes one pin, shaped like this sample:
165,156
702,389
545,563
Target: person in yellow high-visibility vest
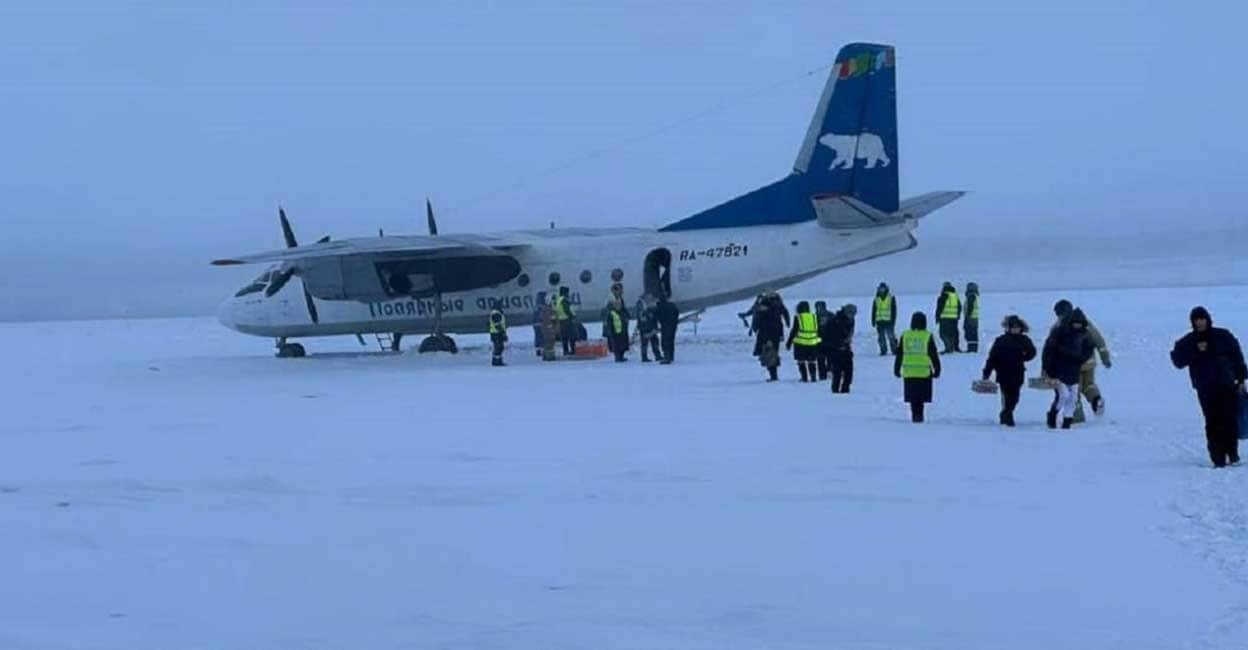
948,309
970,323
565,317
917,363
498,336
884,319
805,335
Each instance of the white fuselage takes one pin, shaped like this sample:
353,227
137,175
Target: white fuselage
708,267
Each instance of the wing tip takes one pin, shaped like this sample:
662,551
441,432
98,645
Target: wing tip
227,262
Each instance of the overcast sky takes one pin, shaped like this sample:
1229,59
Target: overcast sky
140,141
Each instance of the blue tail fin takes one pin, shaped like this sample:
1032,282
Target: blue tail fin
850,149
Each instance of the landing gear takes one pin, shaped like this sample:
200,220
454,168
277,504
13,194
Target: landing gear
289,350
395,341
437,342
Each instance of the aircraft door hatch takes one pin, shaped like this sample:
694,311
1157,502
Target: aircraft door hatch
658,272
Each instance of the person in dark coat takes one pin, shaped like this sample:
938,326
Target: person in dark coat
1008,358
840,348
768,319
824,319
647,329
804,341
617,329
1215,363
1065,352
668,317
538,306
917,363
970,320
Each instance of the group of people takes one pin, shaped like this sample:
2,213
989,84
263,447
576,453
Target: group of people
555,322
821,340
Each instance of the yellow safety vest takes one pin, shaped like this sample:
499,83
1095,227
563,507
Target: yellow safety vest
883,309
617,325
915,364
807,330
975,308
950,312
562,312
501,325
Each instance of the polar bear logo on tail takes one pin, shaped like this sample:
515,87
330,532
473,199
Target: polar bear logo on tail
865,146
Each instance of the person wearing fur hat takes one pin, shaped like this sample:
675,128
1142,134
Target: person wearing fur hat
1215,364
1065,352
1008,358
839,345
824,319
970,321
917,364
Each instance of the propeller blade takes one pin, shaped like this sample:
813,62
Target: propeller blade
277,281
433,224
287,233
322,240
307,298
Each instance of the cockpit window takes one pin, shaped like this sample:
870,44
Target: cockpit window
256,285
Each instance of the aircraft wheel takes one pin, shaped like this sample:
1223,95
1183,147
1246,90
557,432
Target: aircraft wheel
291,351
438,343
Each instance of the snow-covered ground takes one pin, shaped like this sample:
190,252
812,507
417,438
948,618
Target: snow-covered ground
169,484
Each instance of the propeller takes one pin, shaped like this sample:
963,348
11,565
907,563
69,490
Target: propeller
282,276
433,224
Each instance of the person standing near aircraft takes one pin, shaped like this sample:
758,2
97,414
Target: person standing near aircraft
948,309
1215,364
669,317
647,329
805,335
970,324
767,325
550,331
565,317
1008,358
617,324
498,336
841,349
884,319
917,363
824,319
538,306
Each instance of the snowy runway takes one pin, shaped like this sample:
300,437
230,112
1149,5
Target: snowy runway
168,484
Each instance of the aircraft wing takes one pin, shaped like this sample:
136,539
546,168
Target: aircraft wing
379,249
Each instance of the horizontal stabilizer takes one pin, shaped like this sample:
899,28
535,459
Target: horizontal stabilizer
845,212
917,207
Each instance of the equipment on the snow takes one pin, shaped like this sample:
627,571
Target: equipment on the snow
985,387
1042,383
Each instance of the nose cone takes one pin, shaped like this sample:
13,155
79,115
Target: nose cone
227,314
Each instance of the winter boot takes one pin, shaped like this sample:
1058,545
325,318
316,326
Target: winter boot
1051,419
773,374
801,367
1098,405
916,413
1067,422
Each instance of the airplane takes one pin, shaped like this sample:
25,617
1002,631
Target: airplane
840,205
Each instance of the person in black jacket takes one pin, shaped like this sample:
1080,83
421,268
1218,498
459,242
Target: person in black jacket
917,363
839,343
1008,358
647,329
1065,352
824,318
668,316
1215,364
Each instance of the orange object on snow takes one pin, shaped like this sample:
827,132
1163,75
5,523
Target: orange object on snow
596,349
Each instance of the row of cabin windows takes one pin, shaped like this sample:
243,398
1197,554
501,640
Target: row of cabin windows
586,277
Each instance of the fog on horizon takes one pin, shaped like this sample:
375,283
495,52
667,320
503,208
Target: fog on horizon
143,141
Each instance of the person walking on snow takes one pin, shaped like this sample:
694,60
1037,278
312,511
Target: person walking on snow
841,349
970,324
668,317
884,319
917,364
565,317
1008,358
1065,352
805,334
767,323
1088,388
538,305
617,329
647,329
1215,364
948,309
823,318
